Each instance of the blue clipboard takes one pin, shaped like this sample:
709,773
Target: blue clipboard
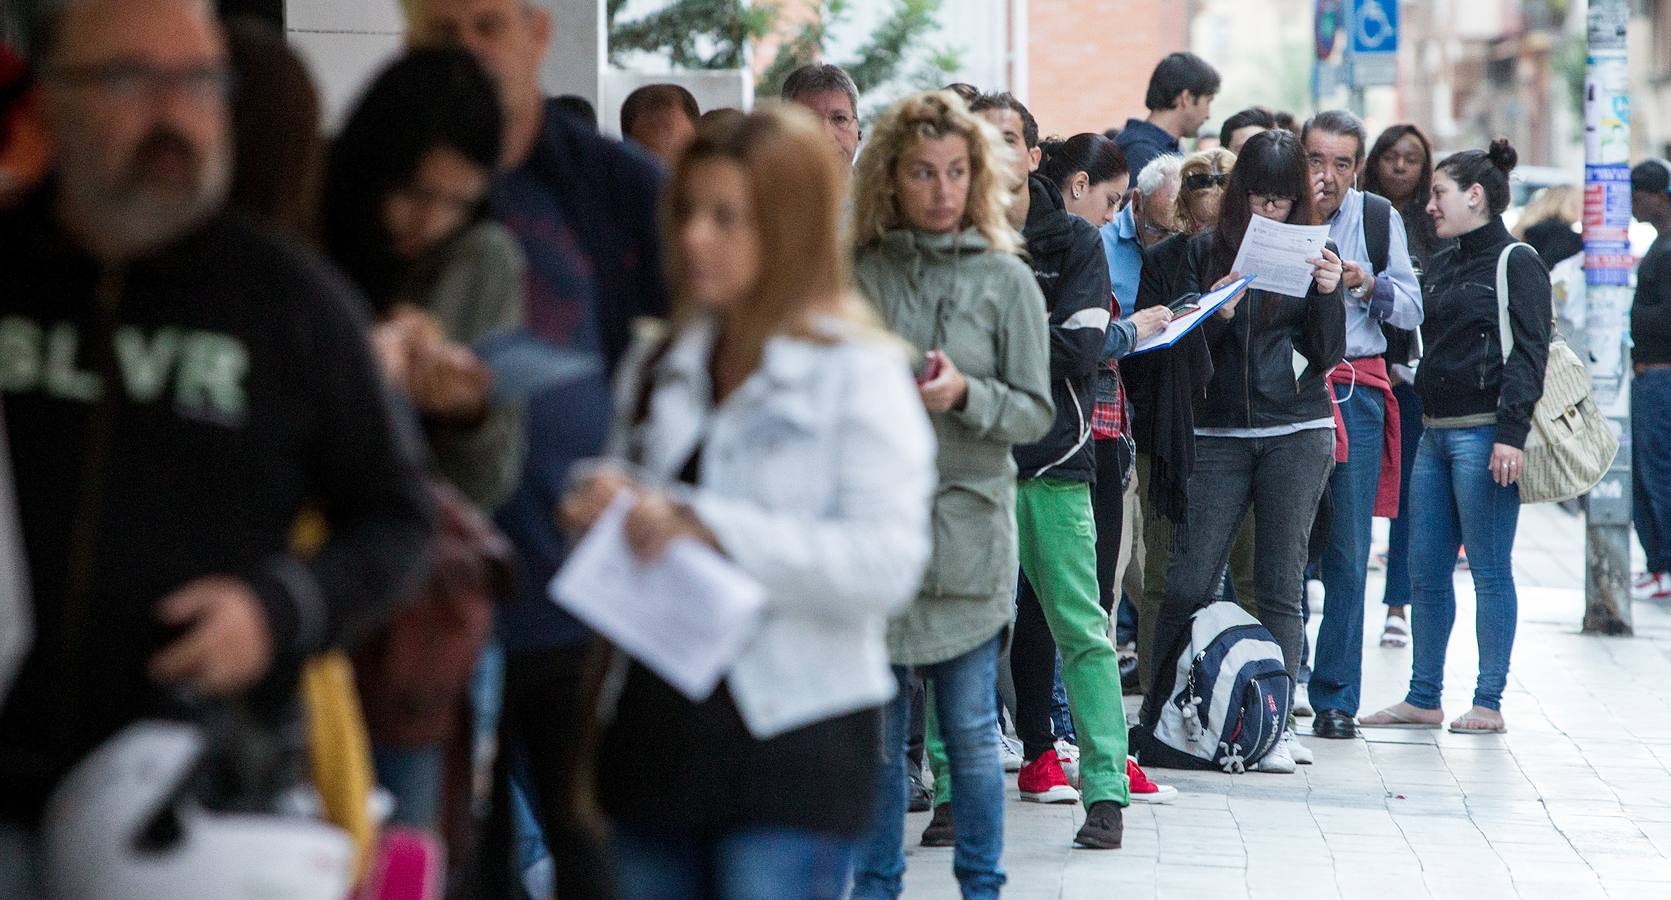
1200,308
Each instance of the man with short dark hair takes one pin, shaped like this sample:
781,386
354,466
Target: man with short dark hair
179,383
1245,124
1650,391
1180,101
830,93
661,118
1381,288
1059,607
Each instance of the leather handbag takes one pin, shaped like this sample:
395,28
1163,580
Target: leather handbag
1570,445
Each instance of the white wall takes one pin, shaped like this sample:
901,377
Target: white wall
345,43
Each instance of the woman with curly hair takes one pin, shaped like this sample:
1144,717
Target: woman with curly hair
937,256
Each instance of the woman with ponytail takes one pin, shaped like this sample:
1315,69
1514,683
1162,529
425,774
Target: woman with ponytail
1477,405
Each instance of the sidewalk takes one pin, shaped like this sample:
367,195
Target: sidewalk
1574,802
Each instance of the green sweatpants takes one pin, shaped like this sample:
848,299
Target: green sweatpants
1059,558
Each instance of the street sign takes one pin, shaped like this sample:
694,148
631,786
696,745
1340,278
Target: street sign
1373,44
1326,22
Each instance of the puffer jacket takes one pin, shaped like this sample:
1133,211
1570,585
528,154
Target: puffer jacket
1072,273
982,309
1254,384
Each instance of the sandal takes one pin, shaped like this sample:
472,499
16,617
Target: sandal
1396,633
1392,718
1471,722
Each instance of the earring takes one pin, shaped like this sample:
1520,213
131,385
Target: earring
1076,195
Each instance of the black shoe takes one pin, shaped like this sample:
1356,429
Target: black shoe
940,832
1104,828
1334,725
920,798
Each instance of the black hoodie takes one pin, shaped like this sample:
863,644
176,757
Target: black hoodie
168,420
1072,272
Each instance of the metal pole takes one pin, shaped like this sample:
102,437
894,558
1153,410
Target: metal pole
1607,262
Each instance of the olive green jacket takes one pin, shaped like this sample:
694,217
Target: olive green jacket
984,311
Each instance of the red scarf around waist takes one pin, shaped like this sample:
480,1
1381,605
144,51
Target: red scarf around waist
1370,373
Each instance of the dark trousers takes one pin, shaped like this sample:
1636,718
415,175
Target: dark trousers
1282,478
544,719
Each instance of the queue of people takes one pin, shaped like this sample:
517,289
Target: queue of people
900,377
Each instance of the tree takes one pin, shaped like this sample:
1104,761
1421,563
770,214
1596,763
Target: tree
886,57
694,34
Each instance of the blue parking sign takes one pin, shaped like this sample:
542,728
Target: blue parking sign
1374,26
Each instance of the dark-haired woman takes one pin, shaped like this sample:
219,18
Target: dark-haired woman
405,217
1264,434
1400,168
1478,407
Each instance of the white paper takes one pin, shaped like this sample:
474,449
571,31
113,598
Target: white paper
686,617
1184,324
1277,252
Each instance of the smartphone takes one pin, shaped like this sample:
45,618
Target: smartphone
931,367
1183,308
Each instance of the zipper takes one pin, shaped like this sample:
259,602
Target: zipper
1247,361
1485,358
95,470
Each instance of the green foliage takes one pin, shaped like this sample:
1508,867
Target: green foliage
695,34
890,55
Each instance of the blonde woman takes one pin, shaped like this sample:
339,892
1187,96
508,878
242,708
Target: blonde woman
937,257
1201,181
783,424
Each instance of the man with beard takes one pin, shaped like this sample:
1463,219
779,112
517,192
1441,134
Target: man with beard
178,383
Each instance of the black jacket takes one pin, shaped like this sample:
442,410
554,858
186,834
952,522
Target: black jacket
1650,312
168,420
1253,382
1463,372
1072,272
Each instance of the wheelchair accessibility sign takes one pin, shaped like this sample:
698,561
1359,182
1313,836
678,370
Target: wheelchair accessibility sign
1373,27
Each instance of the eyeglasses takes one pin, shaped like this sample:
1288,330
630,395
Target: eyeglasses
1201,181
133,81
1269,201
842,120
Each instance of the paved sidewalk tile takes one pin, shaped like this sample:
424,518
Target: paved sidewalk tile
1574,802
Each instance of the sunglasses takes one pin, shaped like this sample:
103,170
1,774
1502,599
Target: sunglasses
1200,181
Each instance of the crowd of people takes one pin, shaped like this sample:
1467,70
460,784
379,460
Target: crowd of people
280,408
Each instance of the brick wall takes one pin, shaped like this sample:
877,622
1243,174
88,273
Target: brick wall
1089,60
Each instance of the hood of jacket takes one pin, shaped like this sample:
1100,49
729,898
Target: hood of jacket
1050,227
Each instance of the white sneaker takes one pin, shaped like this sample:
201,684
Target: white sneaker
1277,762
1654,586
1301,753
1010,754
1314,595
1068,754
1302,702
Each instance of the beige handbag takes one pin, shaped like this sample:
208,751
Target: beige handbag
1570,445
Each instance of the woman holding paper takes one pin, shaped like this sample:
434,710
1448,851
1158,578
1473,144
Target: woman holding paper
937,256
1264,431
777,424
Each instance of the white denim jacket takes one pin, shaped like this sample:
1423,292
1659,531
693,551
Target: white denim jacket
817,476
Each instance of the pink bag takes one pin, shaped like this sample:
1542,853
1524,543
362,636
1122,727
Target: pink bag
410,865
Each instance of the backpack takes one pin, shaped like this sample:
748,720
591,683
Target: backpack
1227,696
1570,446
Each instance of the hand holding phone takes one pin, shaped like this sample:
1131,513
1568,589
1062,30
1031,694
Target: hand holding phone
932,363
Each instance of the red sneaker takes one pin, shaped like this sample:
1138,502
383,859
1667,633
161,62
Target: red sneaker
1145,791
1042,781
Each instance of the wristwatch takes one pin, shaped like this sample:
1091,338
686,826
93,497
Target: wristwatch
1359,291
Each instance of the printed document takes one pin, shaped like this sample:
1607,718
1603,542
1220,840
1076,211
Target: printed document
686,617
524,365
1187,317
1276,252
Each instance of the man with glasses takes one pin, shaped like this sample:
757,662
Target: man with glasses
829,92
178,383
1381,286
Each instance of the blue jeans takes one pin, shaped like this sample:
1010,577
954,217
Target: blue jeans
1454,501
413,776
1398,536
967,714
1337,670
746,864
1650,464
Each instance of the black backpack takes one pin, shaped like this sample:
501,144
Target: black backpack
1402,346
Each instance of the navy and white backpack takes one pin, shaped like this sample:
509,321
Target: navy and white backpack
1227,696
